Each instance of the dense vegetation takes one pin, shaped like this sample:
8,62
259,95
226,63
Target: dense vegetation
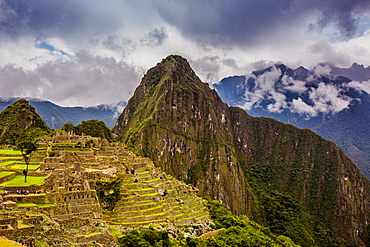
95,128
290,180
108,192
55,116
230,230
20,122
347,128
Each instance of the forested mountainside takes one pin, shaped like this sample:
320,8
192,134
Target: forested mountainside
20,121
56,116
331,101
289,179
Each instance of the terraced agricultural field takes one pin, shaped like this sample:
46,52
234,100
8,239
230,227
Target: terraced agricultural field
10,152
19,181
5,173
23,166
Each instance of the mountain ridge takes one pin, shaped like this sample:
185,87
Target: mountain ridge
56,116
318,99
255,166
20,121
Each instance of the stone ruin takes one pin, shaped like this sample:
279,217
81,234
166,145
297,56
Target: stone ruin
68,199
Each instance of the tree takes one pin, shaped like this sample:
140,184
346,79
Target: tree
26,148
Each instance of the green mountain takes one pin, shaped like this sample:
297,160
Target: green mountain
93,127
20,121
332,104
291,180
55,116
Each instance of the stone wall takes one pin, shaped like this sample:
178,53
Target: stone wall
32,189
35,198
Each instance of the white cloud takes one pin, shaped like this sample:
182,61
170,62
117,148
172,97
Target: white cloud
328,99
364,86
279,102
301,107
322,70
264,89
85,80
219,47
292,85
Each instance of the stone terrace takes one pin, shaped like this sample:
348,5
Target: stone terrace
71,165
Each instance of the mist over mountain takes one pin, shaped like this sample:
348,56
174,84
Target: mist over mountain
288,179
56,116
325,99
356,72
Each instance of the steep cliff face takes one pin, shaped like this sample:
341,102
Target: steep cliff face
290,179
177,121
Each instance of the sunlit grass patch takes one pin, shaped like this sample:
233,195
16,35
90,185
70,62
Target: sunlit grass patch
10,152
5,173
30,167
26,204
11,157
21,224
5,163
45,205
19,181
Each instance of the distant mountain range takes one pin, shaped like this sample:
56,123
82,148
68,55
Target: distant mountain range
55,116
334,102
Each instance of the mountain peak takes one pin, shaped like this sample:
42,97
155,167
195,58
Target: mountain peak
357,66
173,64
185,128
16,117
173,69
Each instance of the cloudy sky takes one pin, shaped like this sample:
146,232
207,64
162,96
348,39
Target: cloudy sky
90,52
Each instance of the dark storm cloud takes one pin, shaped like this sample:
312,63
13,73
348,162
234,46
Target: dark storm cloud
65,18
343,13
217,23
244,22
226,21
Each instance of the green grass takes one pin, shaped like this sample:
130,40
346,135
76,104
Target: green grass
89,234
30,167
26,204
140,189
40,205
151,180
150,194
21,224
10,152
136,184
5,173
141,204
19,181
144,172
5,163
116,232
45,205
11,157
